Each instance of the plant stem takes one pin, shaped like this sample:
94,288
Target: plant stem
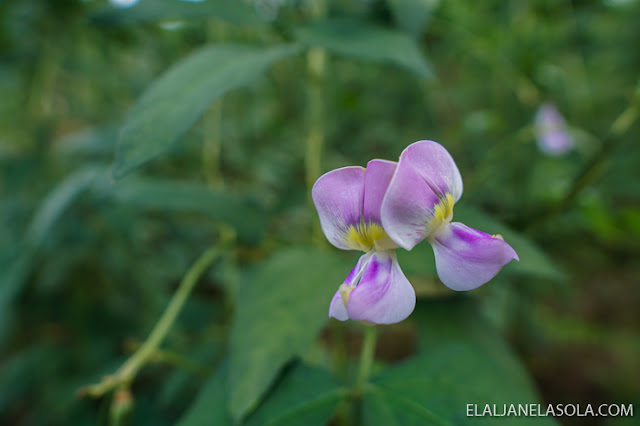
367,354
127,372
315,119
212,145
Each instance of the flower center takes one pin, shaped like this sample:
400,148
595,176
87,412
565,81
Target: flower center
365,235
442,214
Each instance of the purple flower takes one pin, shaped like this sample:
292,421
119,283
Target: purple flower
391,205
551,131
418,205
348,201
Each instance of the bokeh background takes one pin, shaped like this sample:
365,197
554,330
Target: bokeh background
88,261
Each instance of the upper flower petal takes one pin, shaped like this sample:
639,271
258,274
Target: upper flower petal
376,182
435,165
421,193
384,295
339,196
467,258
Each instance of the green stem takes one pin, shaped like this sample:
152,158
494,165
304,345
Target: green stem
314,143
367,354
212,145
127,372
316,60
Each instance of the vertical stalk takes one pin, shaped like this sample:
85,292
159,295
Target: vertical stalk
367,354
212,145
212,121
314,143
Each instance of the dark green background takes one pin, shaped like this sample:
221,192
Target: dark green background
111,186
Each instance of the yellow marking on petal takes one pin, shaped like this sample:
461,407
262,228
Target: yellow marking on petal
498,236
442,213
364,236
345,292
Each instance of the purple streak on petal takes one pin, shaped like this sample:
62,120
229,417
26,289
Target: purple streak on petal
435,165
339,196
467,258
376,181
408,206
384,295
337,309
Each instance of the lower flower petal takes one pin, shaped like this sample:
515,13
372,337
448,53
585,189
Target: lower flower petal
337,308
384,295
467,258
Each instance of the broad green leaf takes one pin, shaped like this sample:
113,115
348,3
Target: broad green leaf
384,407
15,268
533,261
412,15
210,406
58,200
305,396
279,313
176,100
233,11
461,360
247,218
458,320
360,40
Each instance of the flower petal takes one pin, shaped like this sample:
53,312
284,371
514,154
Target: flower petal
467,258
435,165
339,196
408,207
553,137
384,295
337,309
376,181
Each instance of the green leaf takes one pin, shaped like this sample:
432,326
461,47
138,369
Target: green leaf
412,15
303,396
233,11
462,360
279,314
385,408
58,200
533,261
15,268
176,100
210,406
246,217
306,396
361,40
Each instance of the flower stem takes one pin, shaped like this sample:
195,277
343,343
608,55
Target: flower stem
367,355
127,372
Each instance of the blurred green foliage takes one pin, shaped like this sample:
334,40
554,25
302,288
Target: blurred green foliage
131,139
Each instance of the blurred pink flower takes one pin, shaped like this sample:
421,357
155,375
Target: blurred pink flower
551,131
